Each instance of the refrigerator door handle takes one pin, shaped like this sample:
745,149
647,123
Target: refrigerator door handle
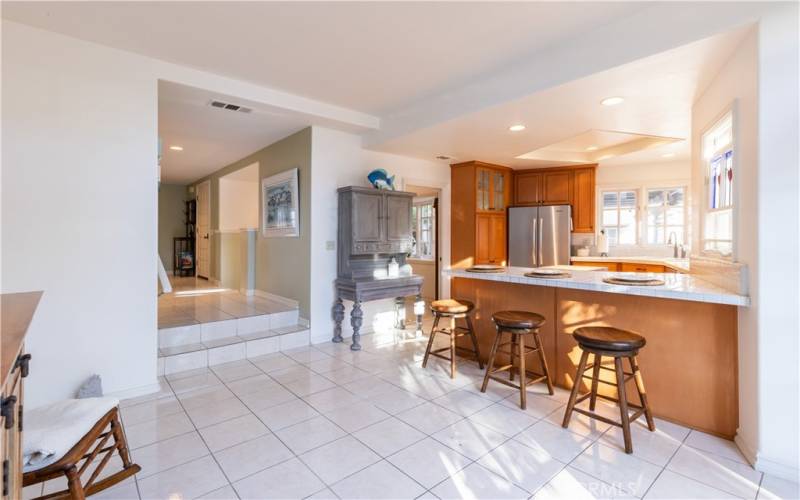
541,235
534,249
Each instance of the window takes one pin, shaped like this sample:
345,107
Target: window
618,217
665,216
718,156
423,218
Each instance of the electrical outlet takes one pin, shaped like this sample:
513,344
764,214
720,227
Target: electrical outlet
330,245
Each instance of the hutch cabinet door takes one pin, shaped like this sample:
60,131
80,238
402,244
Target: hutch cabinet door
398,218
367,216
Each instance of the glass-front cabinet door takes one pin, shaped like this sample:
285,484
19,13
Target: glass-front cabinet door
498,191
483,189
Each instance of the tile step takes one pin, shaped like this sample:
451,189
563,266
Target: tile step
190,356
216,331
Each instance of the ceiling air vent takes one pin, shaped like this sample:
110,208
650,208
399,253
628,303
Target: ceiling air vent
229,106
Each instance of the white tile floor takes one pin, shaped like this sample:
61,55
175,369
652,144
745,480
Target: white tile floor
324,422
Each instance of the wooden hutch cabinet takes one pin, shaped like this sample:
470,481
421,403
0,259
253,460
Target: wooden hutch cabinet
481,193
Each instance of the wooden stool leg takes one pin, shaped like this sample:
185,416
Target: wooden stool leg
575,388
120,441
490,361
637,376
598,360
523,389
623,405
543,360
430,340
474,341
452,347
513,352
74,484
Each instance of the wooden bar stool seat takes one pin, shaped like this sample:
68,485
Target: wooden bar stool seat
518,324
452,309
618,344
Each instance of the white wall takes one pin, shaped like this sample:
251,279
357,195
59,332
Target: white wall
79,209
238,200
737,84
778,222
338,159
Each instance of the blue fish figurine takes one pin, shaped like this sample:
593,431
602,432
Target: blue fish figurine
380,179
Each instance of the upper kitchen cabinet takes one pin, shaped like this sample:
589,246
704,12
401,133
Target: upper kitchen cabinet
481,192
572,186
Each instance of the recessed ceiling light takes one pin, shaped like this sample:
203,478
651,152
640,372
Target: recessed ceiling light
517,128
176,148
668,155
592,148
611,101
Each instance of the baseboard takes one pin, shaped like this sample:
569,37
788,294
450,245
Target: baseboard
135,392
763,464
277,298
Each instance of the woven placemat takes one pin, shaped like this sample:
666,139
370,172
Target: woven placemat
483,270
549,276
615,281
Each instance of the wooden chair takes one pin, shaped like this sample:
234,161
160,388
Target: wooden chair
93,446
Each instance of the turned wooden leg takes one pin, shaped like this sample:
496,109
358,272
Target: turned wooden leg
543,361
338,317
575,388
598,360
490,362
623,405
637,376
474,340
430,340
452,347
523,389
74,484
119,440
513,352
356,320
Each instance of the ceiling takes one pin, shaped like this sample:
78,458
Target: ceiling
212,138
659,92
371,57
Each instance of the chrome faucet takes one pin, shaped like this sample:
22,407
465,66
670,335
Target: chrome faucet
673,240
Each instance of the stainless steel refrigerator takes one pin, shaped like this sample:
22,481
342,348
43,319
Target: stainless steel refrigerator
539,236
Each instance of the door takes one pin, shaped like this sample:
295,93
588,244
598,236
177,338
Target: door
583,201
366,216
203,229
554,235
398,218
557,187
482,238
522,226
497,240
527,189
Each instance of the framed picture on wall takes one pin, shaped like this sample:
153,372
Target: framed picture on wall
280,211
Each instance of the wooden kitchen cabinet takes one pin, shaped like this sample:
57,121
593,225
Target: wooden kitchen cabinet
611,266
481,192
560,185
630,267
557,187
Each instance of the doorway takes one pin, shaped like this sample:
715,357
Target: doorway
425,259
203,224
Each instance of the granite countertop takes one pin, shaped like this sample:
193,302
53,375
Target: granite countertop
677,264
676,286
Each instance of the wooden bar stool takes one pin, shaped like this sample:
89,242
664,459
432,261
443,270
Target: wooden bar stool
519,324
452,309
618,344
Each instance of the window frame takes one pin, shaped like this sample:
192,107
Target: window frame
645,209
417,224
704,203
641,190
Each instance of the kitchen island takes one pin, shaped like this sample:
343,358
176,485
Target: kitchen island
689,364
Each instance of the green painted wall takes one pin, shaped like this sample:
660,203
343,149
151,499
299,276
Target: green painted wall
283,265
170,219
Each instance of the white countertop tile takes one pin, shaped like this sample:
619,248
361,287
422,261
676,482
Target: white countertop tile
676,286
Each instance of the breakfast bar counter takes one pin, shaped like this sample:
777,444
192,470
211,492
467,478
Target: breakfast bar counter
689,363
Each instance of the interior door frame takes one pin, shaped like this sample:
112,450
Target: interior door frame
197,229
